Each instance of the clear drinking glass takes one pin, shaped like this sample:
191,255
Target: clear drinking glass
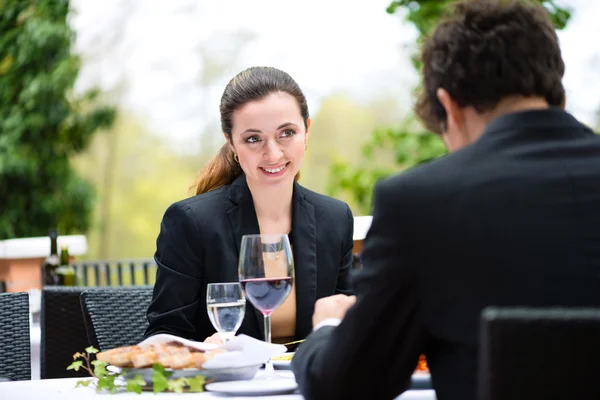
226,307
266,270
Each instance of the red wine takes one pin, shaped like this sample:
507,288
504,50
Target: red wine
267,294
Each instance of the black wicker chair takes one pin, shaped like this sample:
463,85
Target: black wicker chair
63,331
547,353
116,317
15,345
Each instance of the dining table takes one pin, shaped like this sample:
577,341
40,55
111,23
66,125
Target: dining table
65,389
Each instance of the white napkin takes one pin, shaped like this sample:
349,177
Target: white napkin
242,350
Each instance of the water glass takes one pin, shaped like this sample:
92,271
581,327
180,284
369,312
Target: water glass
226,307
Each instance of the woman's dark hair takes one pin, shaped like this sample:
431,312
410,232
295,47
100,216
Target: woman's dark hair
252,84
486,50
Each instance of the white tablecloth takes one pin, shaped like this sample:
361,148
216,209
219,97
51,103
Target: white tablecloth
64,389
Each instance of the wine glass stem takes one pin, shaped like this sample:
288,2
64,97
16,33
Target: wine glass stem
267,328
269,370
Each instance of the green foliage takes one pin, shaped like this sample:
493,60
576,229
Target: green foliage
41,127
424,14
136,384
160,378
405,146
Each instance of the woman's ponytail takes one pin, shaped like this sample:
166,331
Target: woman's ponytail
222,170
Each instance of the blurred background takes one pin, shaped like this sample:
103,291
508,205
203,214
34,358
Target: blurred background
108,109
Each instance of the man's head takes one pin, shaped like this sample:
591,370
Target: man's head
486,58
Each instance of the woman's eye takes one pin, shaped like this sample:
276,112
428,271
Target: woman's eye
288,133
252,139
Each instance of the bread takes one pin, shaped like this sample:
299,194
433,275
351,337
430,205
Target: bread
170,355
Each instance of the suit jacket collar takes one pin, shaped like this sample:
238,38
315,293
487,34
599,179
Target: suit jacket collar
543,119
242,217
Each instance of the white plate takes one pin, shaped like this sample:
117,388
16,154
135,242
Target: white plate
257,387
283,364
214,374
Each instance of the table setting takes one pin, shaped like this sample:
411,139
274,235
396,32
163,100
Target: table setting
167,365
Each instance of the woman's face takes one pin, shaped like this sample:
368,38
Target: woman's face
269,138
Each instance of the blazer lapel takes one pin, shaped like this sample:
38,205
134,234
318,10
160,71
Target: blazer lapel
243,220
304,242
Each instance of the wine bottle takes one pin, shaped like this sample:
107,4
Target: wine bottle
65,273
52,262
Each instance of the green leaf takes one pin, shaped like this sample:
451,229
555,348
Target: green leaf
160,379
100,368
107,383
5,64
91,350
136,384
83,383
75,365
176,385
196,384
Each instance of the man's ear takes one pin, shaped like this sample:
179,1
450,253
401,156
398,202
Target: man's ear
454,113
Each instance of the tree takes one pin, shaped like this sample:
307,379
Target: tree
112,162
41,125
406,145
148,176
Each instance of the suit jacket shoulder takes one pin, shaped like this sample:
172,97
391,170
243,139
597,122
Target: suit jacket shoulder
205,205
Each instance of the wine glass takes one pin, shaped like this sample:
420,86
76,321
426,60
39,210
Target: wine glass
226,307
266,270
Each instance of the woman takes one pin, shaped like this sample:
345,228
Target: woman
250,187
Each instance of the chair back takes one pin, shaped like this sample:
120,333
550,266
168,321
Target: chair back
116,317
63,331
15,345
539,353
102,273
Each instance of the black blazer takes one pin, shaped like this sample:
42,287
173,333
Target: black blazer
199,243
511,220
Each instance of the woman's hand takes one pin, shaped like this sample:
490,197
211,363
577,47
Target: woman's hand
214,339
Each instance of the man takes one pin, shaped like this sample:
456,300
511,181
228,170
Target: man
510,217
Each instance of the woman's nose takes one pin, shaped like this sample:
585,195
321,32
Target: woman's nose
273,152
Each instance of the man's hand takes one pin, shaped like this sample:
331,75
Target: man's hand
332,307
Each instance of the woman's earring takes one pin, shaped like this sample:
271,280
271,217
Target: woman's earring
235,157
305,146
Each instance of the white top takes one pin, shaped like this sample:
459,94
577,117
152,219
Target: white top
36,247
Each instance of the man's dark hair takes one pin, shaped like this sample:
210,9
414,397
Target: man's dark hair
486,50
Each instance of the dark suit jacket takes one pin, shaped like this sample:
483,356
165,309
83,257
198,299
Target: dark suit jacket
199,244
513,219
